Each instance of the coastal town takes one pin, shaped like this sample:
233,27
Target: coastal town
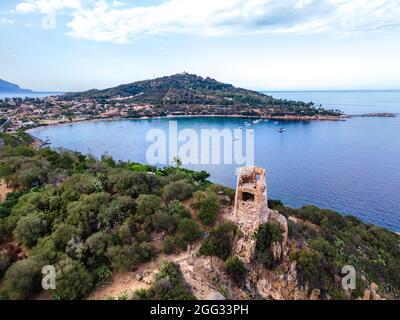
20,114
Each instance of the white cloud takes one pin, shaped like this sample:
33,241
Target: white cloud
117,22
47,6
6,21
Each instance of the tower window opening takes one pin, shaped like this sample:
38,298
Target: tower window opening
248,197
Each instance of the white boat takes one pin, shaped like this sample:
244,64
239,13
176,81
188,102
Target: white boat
281,130
256,121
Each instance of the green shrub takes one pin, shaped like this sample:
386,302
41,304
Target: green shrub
177,190
176,209
23,278
208,206
9,203
5,263
84,214
142,236
63,234
103,276
46,250
30,228
163,221
190,229
311,266
180,242
139,167
95,249
219,241
147,205
73,280
169,245
116,212
146,251
267,234
236,269
123,258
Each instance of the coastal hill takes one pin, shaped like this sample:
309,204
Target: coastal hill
177,92
9,87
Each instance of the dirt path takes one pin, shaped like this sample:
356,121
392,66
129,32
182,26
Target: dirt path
4,191
128,282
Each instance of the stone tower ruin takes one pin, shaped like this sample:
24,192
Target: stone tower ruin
251,192
251,210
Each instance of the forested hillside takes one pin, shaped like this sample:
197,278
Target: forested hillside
188,89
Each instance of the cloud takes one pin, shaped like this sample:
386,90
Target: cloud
6,21
117,21
48,6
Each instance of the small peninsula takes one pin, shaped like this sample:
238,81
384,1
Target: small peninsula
180,95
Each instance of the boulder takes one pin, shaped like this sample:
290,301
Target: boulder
315,294
215,295
367,295
298,295
374,286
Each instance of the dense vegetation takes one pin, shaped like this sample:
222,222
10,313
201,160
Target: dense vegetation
326,241
16,139
172,92
90,217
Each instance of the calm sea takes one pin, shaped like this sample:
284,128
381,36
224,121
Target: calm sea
350,166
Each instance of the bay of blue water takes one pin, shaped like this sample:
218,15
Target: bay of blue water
349,166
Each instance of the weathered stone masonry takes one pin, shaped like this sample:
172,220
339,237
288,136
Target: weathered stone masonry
251,210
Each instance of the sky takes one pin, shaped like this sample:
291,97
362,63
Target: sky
75,45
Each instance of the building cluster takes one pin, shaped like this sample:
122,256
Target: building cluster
17,113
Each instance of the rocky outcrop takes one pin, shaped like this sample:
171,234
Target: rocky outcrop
207,279
283,285
372,292
280,249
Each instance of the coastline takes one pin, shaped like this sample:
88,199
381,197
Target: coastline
238,116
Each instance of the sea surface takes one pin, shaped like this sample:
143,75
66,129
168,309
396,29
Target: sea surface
349,166
350,102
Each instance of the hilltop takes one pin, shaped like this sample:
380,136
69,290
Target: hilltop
194,94
9,87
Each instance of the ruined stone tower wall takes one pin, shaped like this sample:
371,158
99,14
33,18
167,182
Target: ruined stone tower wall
251,210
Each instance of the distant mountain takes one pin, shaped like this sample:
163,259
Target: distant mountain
8,87
184,90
